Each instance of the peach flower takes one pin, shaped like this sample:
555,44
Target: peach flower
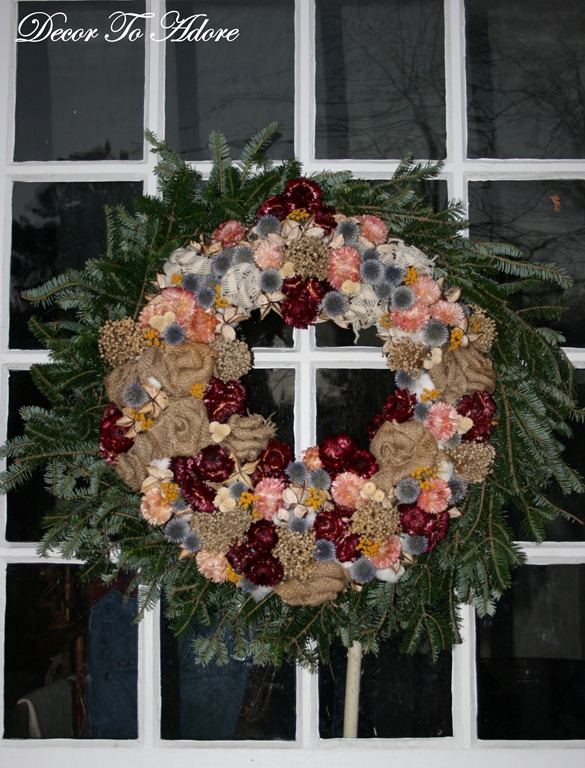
436,498
269,493
443,421
267,255
213,565
154,508
346,488
373,228
388,553
228,233
310,458
177,300
426,290
448,312
201,326
344,264
410,320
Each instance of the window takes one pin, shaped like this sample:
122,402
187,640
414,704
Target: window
493,89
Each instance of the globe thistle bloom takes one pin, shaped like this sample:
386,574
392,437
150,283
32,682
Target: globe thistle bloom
135,396
191,541
270,281
297,472
436,334
414,545
190,282
320,479
174,334
176,530
371,271
268,225
403,298
324,550
243,255
394,274
407,490
362,570
205,296
334,304
349,229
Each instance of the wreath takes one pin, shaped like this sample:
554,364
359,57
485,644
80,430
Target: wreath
161,471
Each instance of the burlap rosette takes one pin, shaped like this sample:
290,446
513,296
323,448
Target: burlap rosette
463,371
323,583
249,435
400,449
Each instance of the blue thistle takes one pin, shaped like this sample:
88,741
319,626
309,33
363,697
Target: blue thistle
191,541
270,280
135,396
174,334
394,274
459,489
371,271
297,524
324,550
176,530
403,298
407,490
362,570
405,380
268,225
383,290
454,441
243,255
435,333
349,229
320,479
297,472
370,253
421,411
236,489
205,296
190,282
414,545
334,304
221,262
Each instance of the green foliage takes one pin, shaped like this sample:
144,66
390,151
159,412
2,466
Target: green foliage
96,518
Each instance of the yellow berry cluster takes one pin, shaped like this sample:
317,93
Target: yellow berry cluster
425,476
315,498
411,276
219,301
152,338
368,547
197,391
232,576
386,320
177,279
247,499
456,338
299,214
170,491
428,395
144,420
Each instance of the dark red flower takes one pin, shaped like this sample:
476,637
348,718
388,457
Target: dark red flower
213,463
416,522
331,524
264,570
224,398
299,312
261,536
113,440
195,492
272,462
303,193
300,194
347,548
480,408
399,407
238,555
297,288
336,453
363,463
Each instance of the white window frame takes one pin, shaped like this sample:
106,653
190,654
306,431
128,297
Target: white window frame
463,748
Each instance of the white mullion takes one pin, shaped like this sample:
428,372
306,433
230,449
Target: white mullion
463,682
305,81
455,97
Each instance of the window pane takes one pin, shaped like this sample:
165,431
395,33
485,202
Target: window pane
78,100
270,332
531,658
400,696
237,701
55,226
271,392
525,68
235,86
27,504
546,219
380,79
70,656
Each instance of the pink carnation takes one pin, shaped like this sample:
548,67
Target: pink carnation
436,498
201,326
346,488
373,228
267,255
213,565
448,312
154,508
310,458
344,264
410,320
442,421
269,492
426,290
388,553
173,299
228,233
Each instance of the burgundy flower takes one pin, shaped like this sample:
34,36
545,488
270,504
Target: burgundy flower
113,438
300,194
193,489
331,524
262,536
272,462
213,463
224,398
264,570
416,522
299,313
336,453
399,407
480,408
347,548
238,555
303,193
363,463
297,288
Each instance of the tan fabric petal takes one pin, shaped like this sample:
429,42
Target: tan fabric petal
324,583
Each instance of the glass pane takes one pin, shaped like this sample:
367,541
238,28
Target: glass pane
70,656
78,100
343,408
237,701
270,332
380,79
237,86
531,658
272,393
400,696
27,504
546,219
55,226
525,68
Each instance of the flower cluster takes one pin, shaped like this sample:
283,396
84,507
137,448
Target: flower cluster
215,479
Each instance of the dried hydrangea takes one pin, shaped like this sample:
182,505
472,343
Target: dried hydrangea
120,341
406,355
374,522
295,551
310,257
233,359
218,530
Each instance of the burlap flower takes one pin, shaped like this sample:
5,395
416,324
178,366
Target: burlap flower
400,449
249,435
463,371
177,368
323,582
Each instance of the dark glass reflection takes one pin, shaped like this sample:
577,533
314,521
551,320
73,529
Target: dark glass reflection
347,400
380,79
546,219
531,658
27,504
271,392
236,86
55,226
400,696
525,68
70,656
271,332
234,702
78,100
